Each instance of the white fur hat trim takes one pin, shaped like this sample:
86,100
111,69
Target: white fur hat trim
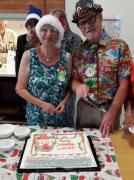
35,16
53,21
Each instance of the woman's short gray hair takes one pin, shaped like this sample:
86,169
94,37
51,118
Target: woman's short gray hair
53,21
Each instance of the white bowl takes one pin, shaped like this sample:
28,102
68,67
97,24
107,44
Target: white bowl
131,129
6,130
7,144
22,132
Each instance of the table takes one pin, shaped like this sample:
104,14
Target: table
123,143
7,70
104,150
8,96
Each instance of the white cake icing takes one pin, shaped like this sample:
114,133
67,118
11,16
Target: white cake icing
58,150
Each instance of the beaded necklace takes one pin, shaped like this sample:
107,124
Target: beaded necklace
93,70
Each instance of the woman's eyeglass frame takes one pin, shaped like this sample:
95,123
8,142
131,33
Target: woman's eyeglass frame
44,30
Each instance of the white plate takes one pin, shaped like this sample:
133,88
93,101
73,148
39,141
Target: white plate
22,132
6,130
7,144
131,129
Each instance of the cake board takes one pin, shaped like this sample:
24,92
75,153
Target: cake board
57,169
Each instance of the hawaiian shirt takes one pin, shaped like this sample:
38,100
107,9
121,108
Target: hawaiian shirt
101,65
70,41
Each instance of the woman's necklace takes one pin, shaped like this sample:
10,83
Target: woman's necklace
48,58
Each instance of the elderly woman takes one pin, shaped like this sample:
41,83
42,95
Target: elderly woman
44,76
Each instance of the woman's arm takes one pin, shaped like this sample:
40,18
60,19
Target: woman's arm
21,87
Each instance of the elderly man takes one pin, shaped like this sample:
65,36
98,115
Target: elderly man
101,68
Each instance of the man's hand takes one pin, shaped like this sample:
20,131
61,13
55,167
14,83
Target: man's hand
107,124
82,90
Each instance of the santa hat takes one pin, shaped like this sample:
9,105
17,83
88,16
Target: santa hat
53,21
33,12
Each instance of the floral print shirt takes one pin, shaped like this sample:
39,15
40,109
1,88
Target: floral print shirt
48,83
101,65
70,41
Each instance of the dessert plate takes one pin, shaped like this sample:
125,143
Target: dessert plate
7,144
131,129
22,132
6,130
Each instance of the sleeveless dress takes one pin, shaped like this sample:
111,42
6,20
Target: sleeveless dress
48,83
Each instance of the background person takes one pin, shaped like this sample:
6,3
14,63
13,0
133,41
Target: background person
25,42
129,103
44,76
129,114
8,39
30,39
70,41
101,69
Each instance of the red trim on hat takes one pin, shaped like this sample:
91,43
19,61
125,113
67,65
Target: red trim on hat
61,21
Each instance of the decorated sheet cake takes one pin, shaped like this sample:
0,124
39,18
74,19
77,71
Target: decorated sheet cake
58,150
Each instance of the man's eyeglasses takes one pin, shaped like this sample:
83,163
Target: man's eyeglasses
89,21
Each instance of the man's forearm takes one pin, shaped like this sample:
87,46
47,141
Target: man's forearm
119,97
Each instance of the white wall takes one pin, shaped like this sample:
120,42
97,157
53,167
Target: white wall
111,9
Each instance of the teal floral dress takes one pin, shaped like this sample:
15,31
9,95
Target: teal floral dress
48,83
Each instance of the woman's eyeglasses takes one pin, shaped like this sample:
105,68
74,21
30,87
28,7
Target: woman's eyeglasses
45,30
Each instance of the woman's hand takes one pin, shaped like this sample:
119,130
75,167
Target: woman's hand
48,107
60,108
